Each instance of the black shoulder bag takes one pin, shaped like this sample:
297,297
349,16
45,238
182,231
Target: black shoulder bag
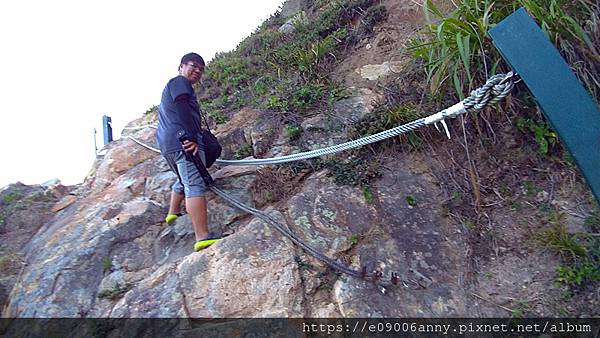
212,147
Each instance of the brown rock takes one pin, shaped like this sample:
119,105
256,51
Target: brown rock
64,202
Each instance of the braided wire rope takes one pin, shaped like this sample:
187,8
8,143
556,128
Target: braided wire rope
151,125
495,89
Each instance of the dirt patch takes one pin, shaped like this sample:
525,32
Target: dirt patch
274,184
388,43
506,195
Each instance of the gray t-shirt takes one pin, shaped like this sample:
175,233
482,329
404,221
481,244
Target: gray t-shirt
171,120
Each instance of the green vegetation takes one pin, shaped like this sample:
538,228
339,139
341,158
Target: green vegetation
455,47
577,274
358,171
303,265
275,103
457,196
353,172
12,197
557,238
581,257
592,222
386,119
521,308
411,200
293,132
288,72
116,292
368,194
106,264
470,224
216,114
243,151
545,137
530,188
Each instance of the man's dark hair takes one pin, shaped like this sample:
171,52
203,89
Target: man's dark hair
192,57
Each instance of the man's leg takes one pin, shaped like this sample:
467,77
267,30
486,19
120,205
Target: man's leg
196,208
177,190
175,204
195,190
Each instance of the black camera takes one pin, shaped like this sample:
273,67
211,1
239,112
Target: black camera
183,136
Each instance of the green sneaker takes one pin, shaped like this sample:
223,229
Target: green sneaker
205,243
171,218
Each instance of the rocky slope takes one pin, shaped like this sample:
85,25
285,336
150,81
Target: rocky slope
107,253
101,249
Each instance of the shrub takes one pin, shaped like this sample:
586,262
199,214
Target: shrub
293,132
12,197
353,172
106,264
545,137
576,275
557,238
243,151
116,292
307,95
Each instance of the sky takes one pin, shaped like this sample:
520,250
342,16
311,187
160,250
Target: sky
65,64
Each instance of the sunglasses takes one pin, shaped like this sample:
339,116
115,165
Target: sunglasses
196,66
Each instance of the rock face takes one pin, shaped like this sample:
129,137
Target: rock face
374,72
23,210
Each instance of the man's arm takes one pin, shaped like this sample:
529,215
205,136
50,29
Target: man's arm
185,112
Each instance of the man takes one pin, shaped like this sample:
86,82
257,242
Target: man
179,111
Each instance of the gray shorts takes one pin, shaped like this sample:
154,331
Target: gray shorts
189,181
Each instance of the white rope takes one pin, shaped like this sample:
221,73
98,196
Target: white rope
155,126
143,144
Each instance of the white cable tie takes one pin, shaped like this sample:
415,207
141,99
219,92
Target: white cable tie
434,118
452,111
443,122
445,128
455,110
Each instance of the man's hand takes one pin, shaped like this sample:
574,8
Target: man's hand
190,147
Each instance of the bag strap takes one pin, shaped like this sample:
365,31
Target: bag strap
203,118
201,169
